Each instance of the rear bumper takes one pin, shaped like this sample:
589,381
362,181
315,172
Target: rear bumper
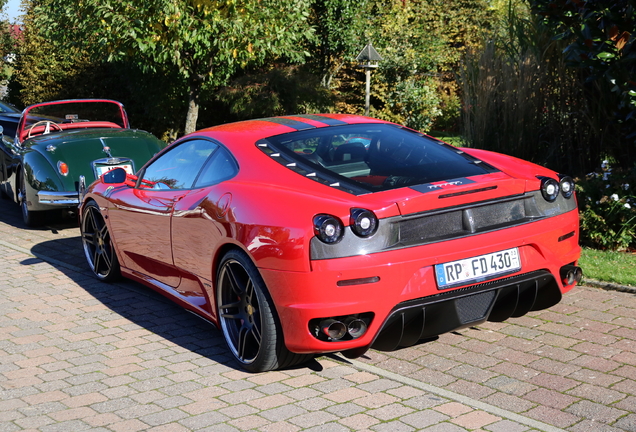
401,291
428,317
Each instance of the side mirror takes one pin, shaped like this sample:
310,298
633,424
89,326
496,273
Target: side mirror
117,175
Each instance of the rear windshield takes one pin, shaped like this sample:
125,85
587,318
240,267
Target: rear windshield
377,157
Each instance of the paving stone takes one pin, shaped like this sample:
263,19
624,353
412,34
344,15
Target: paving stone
84,355
315,404
509,385
627,423
359,421
195,422
394,426
598,412
597,394
390,412
510,403
163,417
238,410
506,426
551,398
475,419
345,409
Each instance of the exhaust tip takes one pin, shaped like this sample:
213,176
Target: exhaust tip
356,327
571,274
333,329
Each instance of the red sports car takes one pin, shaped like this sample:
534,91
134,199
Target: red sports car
311,234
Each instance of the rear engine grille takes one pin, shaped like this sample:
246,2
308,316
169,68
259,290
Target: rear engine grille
464,221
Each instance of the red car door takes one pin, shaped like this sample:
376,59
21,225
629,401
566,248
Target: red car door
199,222
141,216
141,221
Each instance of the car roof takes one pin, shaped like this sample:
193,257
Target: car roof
266,127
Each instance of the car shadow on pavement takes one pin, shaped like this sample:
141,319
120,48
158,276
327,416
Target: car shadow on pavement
54,219
142,306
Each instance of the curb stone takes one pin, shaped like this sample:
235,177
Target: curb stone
608,285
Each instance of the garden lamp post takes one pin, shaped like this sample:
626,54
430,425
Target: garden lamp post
368,59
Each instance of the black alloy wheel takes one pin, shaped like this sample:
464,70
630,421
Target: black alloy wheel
97,243
248,318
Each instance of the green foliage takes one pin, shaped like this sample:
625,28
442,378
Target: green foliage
520,98
165,57
7,47
340,33
281,90
421,42
607,204
42,71
412,102
601,42
204,41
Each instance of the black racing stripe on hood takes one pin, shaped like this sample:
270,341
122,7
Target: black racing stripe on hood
294,124
323,119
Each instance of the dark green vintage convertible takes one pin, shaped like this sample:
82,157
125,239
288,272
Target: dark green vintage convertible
62,146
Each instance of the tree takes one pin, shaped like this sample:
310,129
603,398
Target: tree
422,42
341,33
601,42
7,45
204,41
41,69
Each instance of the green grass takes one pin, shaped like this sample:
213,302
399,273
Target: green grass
452,139
606,266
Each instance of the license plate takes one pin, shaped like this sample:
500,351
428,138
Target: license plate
105,168
477,269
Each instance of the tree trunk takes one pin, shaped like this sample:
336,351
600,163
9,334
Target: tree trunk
193,108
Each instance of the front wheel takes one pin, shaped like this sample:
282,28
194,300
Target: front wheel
248,318
97,243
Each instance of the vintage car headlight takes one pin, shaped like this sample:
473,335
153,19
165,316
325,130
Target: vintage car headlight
567,186
364,223
549,188
329,229
62,168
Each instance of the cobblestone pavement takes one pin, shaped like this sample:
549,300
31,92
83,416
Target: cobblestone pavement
77,354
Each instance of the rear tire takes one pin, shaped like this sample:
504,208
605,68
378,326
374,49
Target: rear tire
248,318
97,243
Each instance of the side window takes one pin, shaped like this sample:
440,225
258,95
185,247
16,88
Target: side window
178,168
221,166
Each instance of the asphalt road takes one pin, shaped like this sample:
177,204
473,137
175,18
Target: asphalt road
77,354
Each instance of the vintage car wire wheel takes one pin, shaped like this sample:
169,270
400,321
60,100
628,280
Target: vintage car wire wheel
30,218
97,243
247,317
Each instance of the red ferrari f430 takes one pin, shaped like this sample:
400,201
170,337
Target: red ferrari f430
311,234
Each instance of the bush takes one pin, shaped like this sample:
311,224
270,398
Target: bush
520,98
607,205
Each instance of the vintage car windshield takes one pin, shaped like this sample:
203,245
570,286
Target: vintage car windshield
8,108
376,157
75,112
